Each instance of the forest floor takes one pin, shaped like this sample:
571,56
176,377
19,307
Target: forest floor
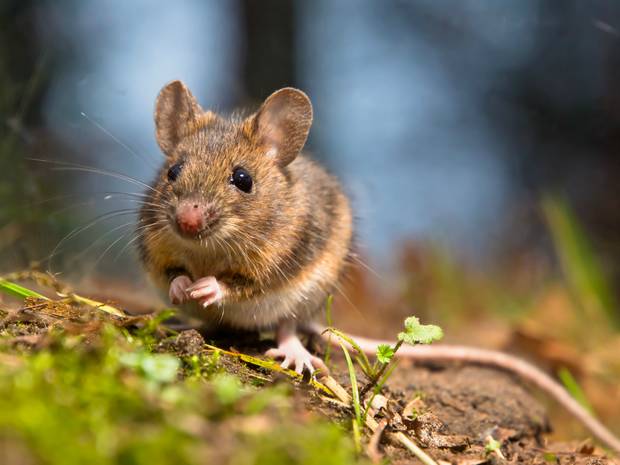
81,384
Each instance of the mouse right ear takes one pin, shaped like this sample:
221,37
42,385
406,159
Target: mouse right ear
282,124
177,114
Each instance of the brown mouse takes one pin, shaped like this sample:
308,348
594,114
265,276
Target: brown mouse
243,230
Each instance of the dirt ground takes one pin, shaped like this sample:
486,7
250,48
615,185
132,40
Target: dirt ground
451,410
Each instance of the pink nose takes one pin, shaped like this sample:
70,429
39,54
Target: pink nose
192,217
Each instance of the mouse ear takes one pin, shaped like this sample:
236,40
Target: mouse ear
177,114
282,124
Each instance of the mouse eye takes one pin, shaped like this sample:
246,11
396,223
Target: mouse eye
174,171
242,180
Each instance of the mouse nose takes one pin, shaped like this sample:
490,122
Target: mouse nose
193,217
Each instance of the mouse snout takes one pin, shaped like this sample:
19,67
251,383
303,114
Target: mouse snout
194,217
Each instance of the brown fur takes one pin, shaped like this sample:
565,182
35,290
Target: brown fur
280,249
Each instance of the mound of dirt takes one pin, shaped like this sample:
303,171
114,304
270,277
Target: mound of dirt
454,412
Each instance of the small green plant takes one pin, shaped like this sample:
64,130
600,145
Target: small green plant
493,446
417,333
385,353
199,365
414,333
379,372
153,328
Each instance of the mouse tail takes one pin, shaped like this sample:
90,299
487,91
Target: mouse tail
493,358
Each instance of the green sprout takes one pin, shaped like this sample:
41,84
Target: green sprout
414,333
385,352
493,446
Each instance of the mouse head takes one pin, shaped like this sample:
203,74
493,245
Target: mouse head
226,176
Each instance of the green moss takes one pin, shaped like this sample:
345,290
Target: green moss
107,399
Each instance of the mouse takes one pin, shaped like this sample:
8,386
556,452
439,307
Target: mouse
242,230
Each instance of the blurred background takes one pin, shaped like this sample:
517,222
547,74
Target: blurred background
477,139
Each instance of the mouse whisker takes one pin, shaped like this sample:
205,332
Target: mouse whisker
251,242
68,166
141,232
235,245
113,174
97,241
91,197
80,229
366,266
91,201
109,247
117,140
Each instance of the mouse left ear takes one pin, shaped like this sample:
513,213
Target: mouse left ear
177,114
282,124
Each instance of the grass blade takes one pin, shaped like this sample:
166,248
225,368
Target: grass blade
328,316
362,358
354,389
573,387
357,436
98,305
579,263
16,290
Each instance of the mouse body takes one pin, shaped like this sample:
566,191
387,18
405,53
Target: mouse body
241,229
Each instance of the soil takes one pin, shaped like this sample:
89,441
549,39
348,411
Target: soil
451,410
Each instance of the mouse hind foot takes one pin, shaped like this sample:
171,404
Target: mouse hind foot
293,352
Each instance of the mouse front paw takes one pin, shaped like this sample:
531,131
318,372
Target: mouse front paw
296,355
178,289
206,291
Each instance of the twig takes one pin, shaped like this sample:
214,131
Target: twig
373,445
372,424
413,448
